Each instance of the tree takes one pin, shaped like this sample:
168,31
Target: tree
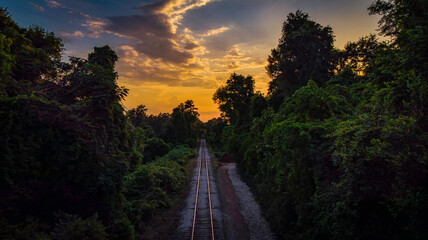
303,53
405,67
358,55
104,57
24,71
234,98
67,149
399,15
185,124
160,124
258,105
407,23
214,129
342,157
137,115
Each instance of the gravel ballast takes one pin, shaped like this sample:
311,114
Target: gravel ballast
257,225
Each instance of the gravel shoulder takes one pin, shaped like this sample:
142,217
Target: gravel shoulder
257,225
235,226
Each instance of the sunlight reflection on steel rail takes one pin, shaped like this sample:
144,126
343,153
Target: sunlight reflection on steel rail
202,159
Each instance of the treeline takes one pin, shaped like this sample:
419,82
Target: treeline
338,147
73,163
182,126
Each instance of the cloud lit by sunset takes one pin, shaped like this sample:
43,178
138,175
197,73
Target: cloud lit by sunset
174,50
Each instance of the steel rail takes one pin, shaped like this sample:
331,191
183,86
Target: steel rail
202,158
209,198
196,198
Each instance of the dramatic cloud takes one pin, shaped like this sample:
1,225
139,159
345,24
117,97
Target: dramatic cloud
135,68
190,45
155,30
155,36
173,50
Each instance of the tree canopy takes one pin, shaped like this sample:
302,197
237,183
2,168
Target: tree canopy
340,149
73,165
303,53
234,98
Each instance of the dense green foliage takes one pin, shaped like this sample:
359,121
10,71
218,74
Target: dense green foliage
303,41
214,129
344,153
234,98
182,126
73,165
150,186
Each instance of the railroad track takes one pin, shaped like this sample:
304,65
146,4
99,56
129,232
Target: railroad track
203,224
201,217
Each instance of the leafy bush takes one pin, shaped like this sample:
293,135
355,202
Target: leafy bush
151,186
180,154
29,229
72,227
155,147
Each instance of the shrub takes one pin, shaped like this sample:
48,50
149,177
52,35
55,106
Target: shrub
72,227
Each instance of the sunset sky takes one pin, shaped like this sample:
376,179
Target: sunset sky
174,50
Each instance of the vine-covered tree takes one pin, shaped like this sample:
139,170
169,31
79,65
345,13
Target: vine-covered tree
407,23
303,53
235,97
24,71
185,123
344,154
137,115
214,129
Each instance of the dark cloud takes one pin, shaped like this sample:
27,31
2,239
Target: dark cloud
190,46
164,49
153,74
154,7
154,32
142,27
